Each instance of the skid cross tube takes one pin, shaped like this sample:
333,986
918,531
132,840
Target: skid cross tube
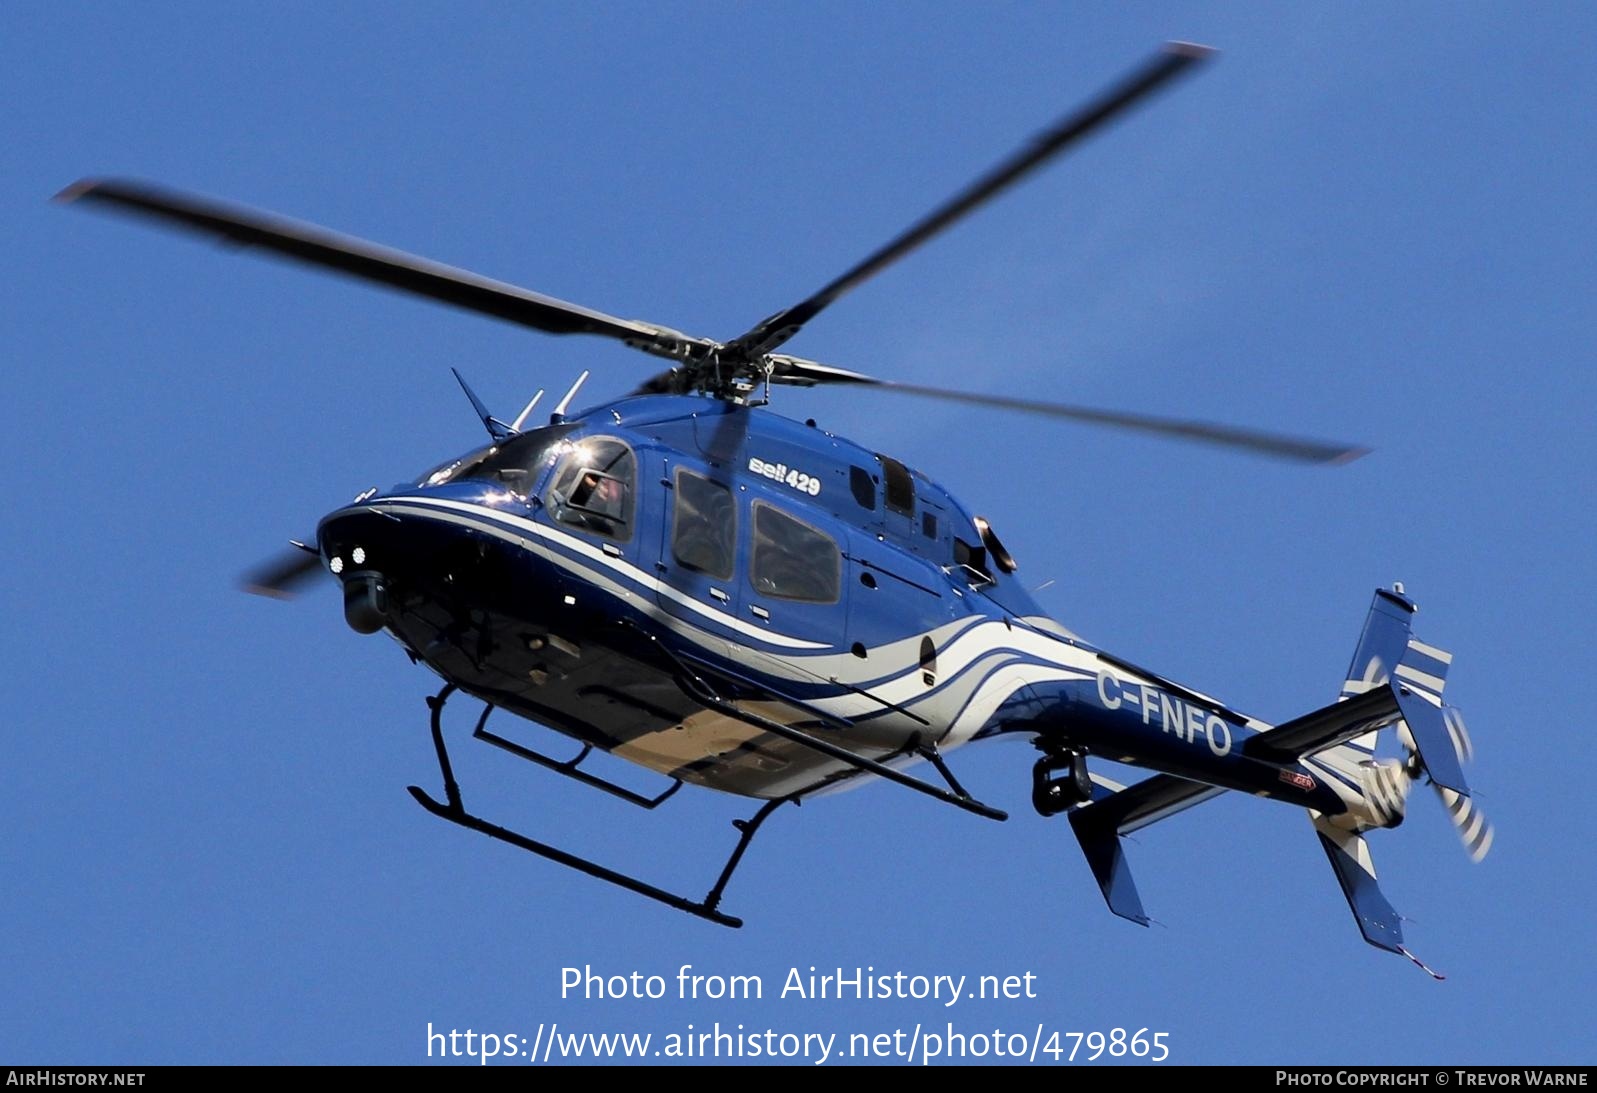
455,812
858,762
570,768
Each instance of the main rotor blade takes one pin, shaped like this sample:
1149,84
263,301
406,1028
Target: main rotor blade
1174,59
1303,450
368,261
282,576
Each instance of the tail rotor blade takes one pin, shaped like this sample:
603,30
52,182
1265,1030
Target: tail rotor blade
1454,720
1474,829
283,576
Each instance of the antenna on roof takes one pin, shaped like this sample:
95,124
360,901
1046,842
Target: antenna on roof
521,418
560,411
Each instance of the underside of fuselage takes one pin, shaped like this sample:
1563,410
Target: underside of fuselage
610,671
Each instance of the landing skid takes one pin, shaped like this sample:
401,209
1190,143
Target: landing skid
455,812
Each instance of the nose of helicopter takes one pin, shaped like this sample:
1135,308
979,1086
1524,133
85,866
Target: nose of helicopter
362,550
379,549
401,551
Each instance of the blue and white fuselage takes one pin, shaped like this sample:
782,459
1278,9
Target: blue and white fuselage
756,606
752,605
915,633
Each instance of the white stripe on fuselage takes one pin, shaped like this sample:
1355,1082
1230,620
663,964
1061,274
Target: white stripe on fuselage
976,641
980,641
983,665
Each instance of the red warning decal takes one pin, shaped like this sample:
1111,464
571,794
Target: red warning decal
1292,777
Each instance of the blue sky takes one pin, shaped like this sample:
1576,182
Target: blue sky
1362,223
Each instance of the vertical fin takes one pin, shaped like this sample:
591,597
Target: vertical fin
1432,738
1101,844
1382,644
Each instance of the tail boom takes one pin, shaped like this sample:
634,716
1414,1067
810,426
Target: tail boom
1323,761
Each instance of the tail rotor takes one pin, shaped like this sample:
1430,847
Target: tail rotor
1475,831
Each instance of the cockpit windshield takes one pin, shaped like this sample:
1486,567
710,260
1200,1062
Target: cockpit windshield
593,487
515,463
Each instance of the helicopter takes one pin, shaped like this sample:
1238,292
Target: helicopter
747,603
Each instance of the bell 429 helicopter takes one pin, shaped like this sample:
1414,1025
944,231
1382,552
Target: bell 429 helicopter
730,598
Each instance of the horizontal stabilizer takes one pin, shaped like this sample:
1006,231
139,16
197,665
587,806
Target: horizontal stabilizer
1149,801
1327,727
1115,812
1374,709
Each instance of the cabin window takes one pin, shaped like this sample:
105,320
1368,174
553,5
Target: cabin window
703,525
593,487
863,487
928,525
900,486
793,561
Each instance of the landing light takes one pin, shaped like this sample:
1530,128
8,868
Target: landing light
359,555
336,565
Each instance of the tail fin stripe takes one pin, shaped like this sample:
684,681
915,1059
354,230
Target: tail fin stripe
1422,679
1423,695
1430,650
